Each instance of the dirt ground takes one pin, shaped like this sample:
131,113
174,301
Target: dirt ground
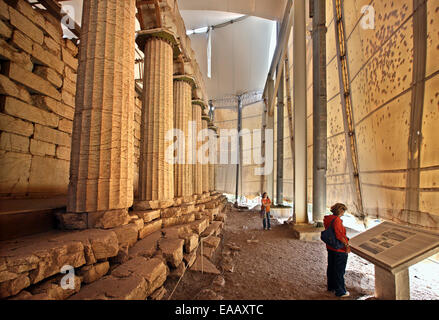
274,266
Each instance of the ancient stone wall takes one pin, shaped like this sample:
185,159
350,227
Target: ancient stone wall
37,90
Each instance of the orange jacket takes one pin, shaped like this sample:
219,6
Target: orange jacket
340,230
266,203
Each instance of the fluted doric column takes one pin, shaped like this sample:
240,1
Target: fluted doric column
212,156
205,167
183,186
197,108
156,172
101,167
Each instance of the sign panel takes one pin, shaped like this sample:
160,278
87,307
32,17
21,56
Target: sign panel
392,245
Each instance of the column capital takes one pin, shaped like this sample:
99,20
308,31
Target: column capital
159,33
200,103
205,117
186,78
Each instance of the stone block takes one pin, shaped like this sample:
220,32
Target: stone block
133,287
52,288
153,270
50,75
178,272
44,57
107,219
26,9
69,86
208,252
190,242
189,258
70,74
14,286
42,173
98,244
69,59
212,242
25,111
13,142
7,52
172,250
171,212
53,28
14,172
5,31
148,215
146,247
31,81
199,226
4,11
40,148
158,294
26,26
57,107
94,272
10,88
54,136
63,153
22,41
150,228
65,126
126,235
152,205
53,46
71,46
68,98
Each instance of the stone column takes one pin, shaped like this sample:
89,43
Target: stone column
213,149
156,171
183,114
101,167
205,167
197,108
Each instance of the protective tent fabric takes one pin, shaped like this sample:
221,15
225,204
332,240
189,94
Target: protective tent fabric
383,81
393,90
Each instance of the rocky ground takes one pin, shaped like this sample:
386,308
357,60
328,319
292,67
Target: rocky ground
271,265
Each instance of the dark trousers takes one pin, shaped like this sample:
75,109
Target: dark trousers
335,273
266,220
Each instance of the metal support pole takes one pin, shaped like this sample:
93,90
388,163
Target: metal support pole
300,121
239,147
319,112
280,137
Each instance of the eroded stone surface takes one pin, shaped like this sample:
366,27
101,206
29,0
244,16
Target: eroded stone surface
172,250
146,247
31,259
202,264
132,287
92,273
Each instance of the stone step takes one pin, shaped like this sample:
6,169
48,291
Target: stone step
213,229
146,247
134,280
29,260
212,242
172,250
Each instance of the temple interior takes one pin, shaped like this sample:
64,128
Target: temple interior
135,135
